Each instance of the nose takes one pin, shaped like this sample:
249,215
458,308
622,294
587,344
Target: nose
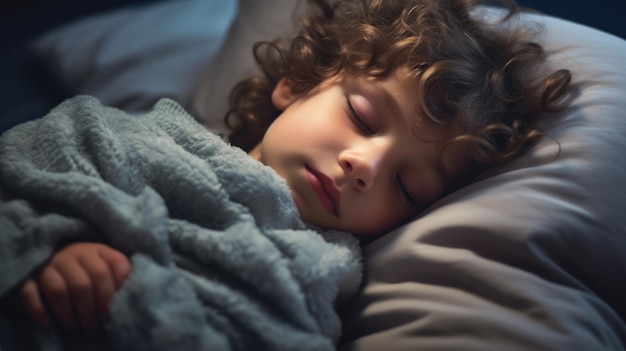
363,166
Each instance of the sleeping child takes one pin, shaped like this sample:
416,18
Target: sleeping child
149,232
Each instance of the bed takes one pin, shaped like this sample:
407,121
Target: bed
532,256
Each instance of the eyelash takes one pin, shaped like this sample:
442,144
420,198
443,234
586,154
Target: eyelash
405,193
357,120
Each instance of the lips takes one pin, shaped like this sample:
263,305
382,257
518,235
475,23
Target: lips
324,190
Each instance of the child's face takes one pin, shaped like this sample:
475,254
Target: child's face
348,151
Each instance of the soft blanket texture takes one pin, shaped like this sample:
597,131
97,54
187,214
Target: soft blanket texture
220,257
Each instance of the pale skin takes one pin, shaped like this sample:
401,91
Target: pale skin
344,148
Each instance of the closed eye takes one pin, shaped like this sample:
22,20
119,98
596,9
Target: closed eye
405,193
357,120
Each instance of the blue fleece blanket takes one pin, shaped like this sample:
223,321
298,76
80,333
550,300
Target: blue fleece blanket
221,260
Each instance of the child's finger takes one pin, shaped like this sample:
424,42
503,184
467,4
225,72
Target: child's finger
33,303
81,289
118,263
102,281
55,291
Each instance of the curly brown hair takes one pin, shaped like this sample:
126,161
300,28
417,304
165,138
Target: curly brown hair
485,80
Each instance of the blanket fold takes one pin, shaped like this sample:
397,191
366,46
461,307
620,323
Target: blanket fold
221,259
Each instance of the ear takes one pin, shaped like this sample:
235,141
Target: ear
283,95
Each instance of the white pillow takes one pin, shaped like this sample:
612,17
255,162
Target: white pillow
133,56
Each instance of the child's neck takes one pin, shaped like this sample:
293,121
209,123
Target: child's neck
255,153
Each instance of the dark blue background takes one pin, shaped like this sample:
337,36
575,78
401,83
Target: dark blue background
607,15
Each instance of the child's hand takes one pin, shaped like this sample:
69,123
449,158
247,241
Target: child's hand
78,284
